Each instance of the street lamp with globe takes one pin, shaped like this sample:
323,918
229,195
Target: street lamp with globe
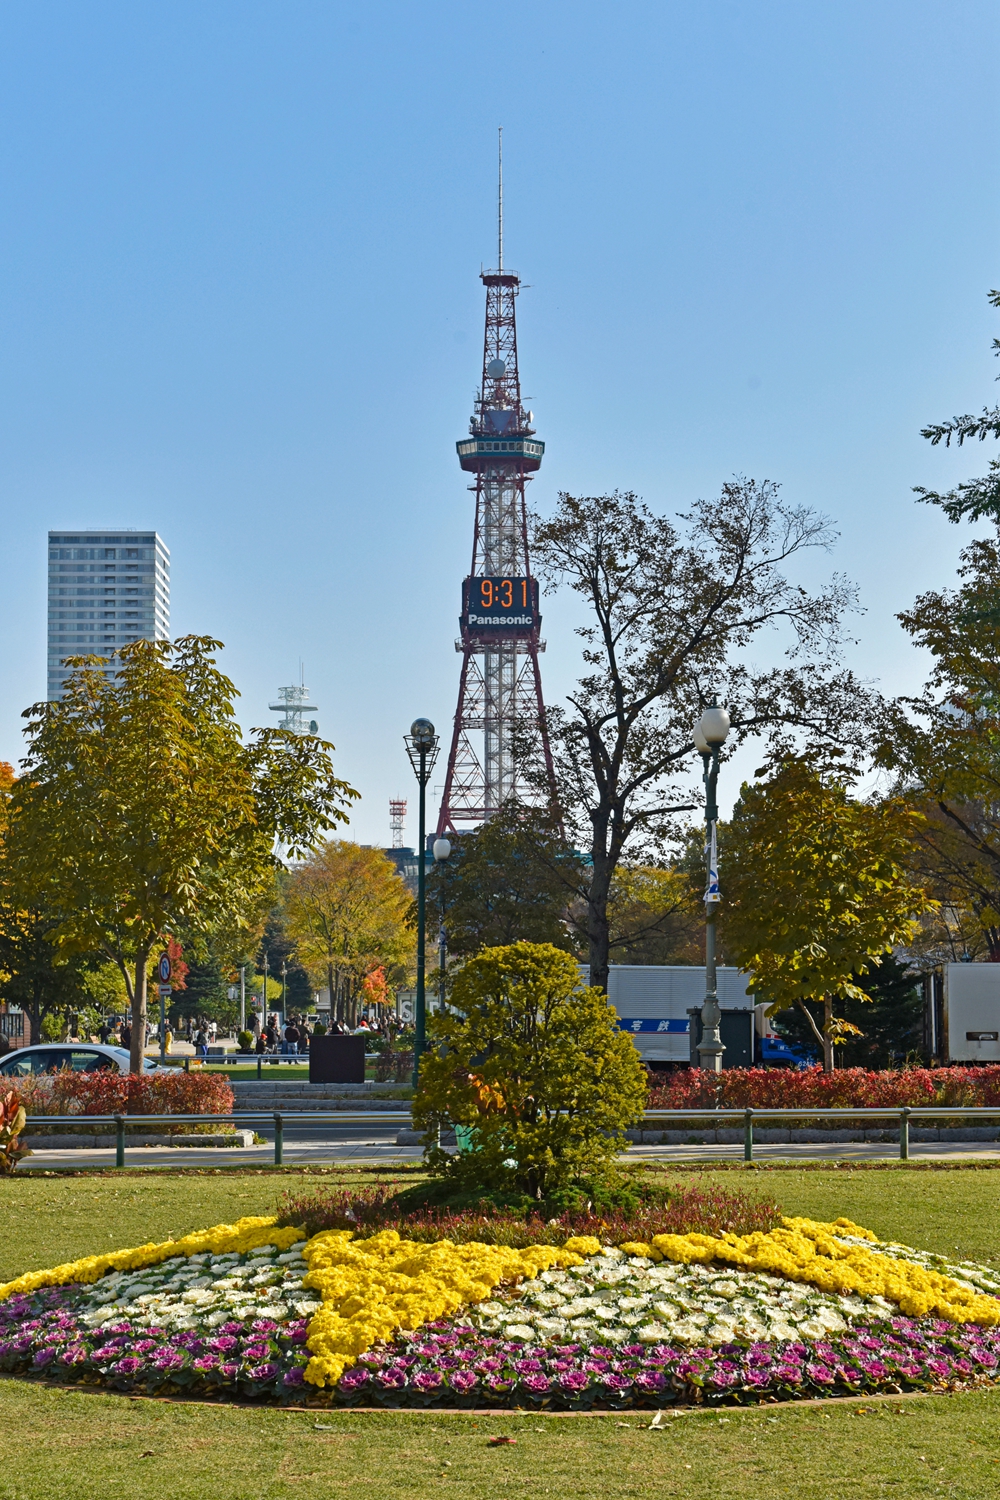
709,736
422,748
442,853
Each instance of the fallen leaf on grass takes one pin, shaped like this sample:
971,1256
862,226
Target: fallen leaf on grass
501,1442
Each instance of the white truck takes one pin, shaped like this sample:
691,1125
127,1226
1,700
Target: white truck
963,1013
653,1000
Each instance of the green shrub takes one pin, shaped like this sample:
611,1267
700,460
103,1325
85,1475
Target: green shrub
537,1068
244,1041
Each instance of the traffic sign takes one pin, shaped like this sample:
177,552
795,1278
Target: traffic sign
164,989
163,967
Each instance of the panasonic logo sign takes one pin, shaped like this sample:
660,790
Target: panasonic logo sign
500,620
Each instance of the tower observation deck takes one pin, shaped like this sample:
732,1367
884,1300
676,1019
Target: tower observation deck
500,722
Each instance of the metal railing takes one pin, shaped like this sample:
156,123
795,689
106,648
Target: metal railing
901,1113
904,1114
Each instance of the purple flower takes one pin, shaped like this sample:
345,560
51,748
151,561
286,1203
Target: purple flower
462,1381
295,1376
169,1359
428,1380
263,1372
127,1366
224,1345
538,1385
392,1379
263,1325
230,1370
206,1362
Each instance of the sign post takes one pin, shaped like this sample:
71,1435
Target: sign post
164,987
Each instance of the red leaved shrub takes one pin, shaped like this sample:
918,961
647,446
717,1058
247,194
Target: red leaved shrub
170,1092
704,1210
786,1088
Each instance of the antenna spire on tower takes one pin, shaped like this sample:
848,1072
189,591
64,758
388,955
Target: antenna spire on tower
500,203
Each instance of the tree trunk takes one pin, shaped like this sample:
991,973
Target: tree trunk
827,1038
823,1040
138,1043
597,922
329,990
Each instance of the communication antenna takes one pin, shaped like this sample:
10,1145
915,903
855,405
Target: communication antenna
500,204
397,817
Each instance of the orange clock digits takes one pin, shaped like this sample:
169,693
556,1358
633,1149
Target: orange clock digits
486,589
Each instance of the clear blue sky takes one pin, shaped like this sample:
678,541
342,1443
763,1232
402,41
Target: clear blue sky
239,302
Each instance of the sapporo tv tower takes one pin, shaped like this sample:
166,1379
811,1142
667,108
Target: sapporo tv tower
500,687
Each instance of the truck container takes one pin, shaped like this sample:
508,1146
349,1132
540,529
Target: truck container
962,1013
652,1002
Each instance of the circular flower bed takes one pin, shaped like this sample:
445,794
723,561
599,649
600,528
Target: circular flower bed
261,1311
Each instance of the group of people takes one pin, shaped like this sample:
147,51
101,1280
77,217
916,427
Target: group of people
290,1041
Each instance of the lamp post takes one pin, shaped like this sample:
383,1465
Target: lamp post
442,851
422,748
709,736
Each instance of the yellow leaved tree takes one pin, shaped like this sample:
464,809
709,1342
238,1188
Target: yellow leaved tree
348,913
816,889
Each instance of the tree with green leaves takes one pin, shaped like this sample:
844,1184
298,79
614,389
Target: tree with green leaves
887,1027
672,610
512,880
142,812
536,1068
974,499
817,889
942,746
34,975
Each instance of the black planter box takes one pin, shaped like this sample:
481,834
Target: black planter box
336,1059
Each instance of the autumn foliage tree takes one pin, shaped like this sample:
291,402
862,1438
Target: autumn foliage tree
348,913
816,888
141,812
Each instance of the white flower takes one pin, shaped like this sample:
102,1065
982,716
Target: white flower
521,1331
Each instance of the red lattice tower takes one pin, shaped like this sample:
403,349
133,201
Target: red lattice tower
500,708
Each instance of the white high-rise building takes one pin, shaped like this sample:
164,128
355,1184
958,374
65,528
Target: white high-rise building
106,588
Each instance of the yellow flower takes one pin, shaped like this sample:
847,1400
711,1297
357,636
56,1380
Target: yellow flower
804,1250
245,1234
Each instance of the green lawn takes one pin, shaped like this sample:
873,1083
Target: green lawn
76,1443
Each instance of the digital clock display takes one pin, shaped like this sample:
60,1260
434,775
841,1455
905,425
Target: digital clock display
497,603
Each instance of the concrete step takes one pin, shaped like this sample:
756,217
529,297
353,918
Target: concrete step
133,1138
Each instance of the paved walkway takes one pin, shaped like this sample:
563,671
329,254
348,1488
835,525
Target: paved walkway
376,1150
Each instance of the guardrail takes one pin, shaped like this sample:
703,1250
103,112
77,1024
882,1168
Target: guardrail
904,1114
278,1117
